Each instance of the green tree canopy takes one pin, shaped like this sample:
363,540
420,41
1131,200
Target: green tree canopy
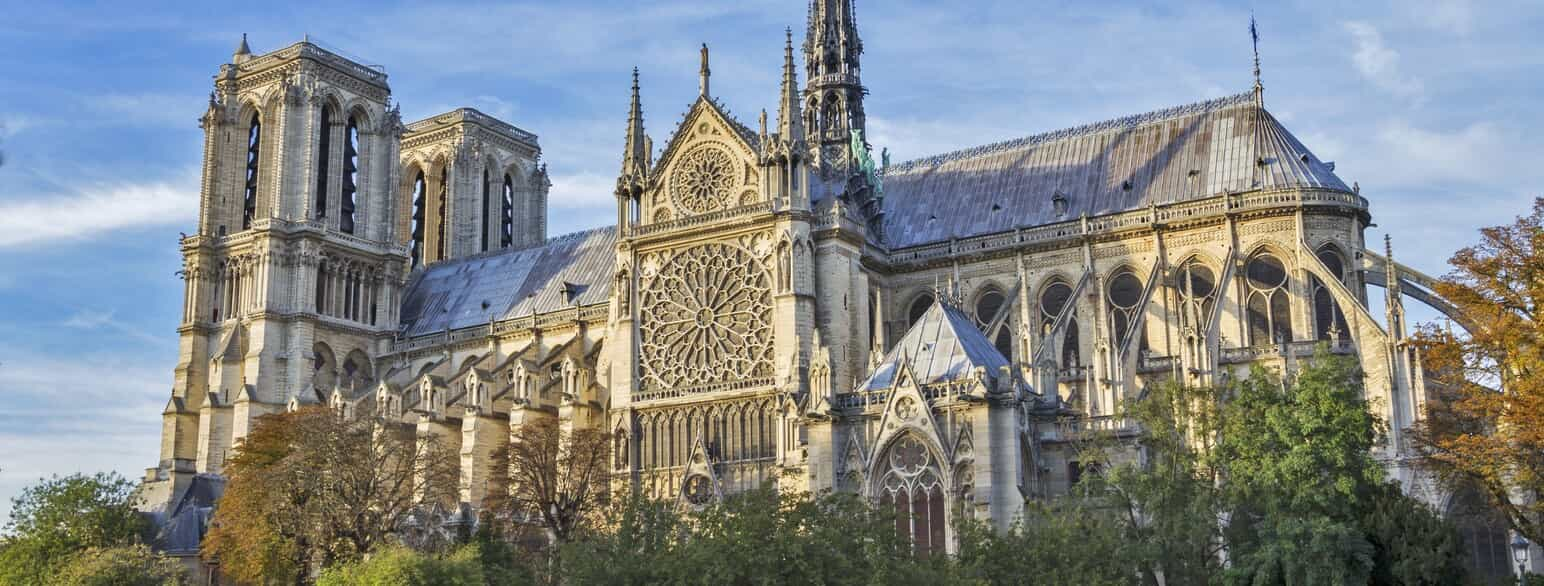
59,517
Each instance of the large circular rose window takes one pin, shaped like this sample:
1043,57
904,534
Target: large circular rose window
706,320
703,179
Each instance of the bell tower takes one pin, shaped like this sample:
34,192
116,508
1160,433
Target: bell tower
292,277
833,93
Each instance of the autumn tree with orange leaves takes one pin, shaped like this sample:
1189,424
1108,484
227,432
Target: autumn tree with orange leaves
309,489
1484,426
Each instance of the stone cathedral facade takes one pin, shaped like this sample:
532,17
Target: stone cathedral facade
772,304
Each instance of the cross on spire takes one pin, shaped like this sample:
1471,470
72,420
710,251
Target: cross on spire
1254,37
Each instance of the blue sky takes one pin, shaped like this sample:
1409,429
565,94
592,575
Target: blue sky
1431,106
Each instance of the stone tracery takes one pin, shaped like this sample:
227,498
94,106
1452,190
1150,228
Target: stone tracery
703,179
707,319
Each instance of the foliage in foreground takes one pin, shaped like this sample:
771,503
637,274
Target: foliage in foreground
57,519
1485,429
132,565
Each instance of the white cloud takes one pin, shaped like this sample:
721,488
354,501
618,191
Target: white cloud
1380,65
94,211
1450,16
89,319
153,109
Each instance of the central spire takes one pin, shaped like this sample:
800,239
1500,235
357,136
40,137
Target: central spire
834,94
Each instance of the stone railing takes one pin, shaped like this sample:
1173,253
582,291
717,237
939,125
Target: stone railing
702,219
1132,220
1075,428
311,51
738,385
1297,349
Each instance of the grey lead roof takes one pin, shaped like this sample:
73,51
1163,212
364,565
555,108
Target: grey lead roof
943,345
511,283
1168,156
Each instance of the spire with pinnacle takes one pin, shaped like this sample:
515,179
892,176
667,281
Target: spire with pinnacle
635,158
1394,303
1254,36
243,52
833,90
703,74
789,123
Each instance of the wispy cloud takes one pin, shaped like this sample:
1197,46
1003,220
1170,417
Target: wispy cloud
95,320
96,211
1379,64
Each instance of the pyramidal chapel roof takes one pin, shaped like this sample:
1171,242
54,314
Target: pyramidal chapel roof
1169,156
944,345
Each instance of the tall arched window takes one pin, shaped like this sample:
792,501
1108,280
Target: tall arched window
1053,299
1483,532
1328,321
323,158
911,484
350,175
419,194
1197,294
1124,293
1268,308
249,198
988,304
918,308
486,196
441,209
507,214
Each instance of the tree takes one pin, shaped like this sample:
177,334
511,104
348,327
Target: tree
1485,427
400,566
1308,500
1073,541
308,489
130,565
57,518
556,476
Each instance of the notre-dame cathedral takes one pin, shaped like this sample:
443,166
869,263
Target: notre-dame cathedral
774,303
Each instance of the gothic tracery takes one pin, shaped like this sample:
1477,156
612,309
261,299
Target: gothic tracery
707,319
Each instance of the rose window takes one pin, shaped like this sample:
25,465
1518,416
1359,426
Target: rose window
707,319
703,179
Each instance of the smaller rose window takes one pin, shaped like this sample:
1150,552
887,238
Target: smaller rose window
703,179
698,489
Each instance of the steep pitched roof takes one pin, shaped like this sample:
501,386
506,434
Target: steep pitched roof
573,269
943,345
1167,156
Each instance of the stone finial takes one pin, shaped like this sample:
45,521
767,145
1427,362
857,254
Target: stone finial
704,72
243,51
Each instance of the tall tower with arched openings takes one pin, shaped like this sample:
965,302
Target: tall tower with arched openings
292,279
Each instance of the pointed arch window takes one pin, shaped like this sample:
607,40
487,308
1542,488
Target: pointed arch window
1124,294
1329,322
486,196
323,158
507,213
1053,299
1197,294
912,485
249,197
350,175
918,308
441,209
1268,309
988,305
419,194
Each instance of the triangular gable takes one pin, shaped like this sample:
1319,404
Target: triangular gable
695,491
705,110
906,410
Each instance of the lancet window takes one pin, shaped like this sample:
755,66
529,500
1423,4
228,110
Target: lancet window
441,210
487,195
1197,286
919,307
507,214
988,305
323,158
350,175
1329,322
1268,307
419,194
1053,299
249,197
912,485
1124,293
